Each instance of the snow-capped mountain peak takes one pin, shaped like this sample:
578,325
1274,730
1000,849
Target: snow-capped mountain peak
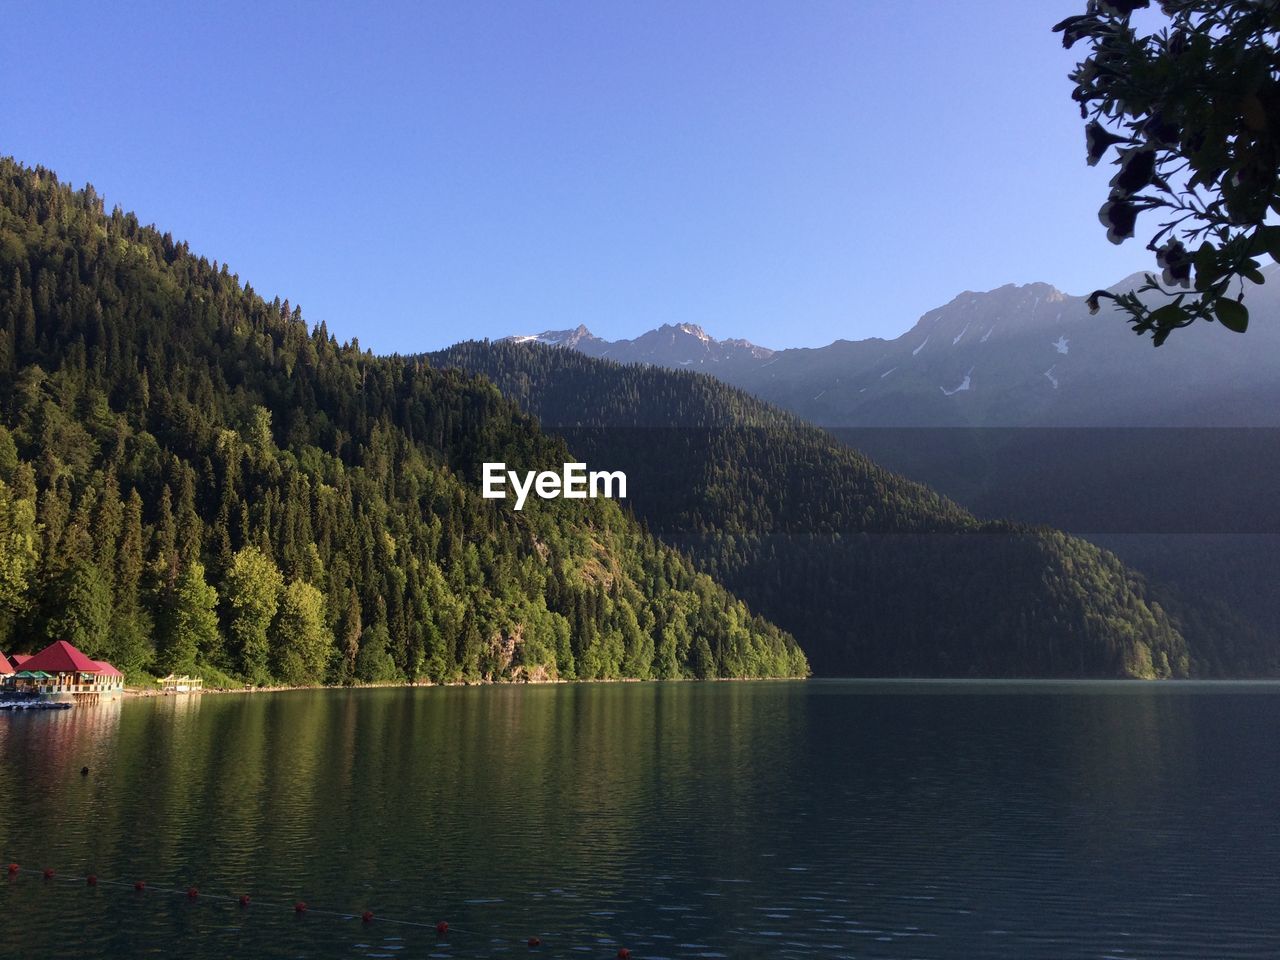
670,345
572,339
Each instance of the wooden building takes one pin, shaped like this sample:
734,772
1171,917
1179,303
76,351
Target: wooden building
61,672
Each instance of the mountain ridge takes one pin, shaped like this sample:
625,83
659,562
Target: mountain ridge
671,344
1016,355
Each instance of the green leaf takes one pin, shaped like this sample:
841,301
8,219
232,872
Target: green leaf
1206,263
1233,315
1169,316
1269,237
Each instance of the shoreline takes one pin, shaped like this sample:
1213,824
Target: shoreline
143,693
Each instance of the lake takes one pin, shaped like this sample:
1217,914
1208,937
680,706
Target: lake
807,819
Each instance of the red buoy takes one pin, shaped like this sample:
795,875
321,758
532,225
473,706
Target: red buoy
535,942
91,880
442,929
367,916
13,868
624,953
244,899
300,907
48,873
192,893
139,885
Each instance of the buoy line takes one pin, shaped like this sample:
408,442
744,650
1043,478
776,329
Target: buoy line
442,928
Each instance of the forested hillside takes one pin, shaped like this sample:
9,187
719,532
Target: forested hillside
193,479
874,574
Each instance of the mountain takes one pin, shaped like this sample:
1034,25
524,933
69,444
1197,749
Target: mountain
191,478
1167,456
580,339
1016,356
873,574
1033,356
670,345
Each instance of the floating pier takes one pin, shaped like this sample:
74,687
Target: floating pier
35,705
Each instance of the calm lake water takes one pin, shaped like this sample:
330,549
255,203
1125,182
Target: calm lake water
819,819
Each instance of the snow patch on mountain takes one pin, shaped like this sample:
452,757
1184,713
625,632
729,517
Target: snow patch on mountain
965,384
1061,344
694,331
1052,379
919,348
557,338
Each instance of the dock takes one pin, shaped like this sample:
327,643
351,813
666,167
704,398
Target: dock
35,705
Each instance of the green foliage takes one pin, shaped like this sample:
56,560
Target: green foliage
84,609
156,414
253,596
1192,114
17,553
215,679
374,663
190,624
303,643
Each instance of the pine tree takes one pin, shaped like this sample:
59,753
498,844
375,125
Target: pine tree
164,550
83,617
131,623
349,636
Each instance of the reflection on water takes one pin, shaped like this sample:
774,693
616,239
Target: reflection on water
833,819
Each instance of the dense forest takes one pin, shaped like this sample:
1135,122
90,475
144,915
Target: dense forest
874,574
193,479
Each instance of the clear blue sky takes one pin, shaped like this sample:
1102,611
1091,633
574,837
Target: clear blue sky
419,173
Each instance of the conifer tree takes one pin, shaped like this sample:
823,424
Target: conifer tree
131,623
83,614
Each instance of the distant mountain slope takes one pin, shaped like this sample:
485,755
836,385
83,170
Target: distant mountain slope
874,574
191,478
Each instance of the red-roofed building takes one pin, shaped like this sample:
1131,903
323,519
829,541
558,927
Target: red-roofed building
61,657
61,672
6,668
18,659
